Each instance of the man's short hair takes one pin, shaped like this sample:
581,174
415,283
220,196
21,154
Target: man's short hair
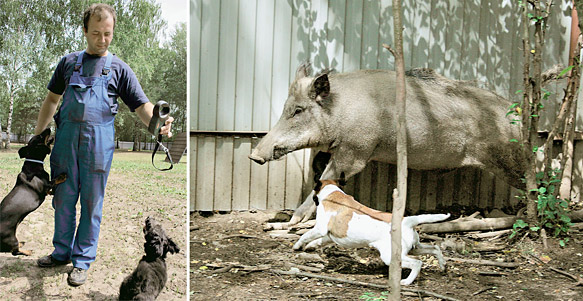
99,10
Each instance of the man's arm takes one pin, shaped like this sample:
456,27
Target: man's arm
145,113
47,110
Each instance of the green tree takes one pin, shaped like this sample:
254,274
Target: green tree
34,34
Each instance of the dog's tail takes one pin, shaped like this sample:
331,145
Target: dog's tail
414,220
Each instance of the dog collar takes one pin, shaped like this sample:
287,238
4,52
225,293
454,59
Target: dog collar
35,161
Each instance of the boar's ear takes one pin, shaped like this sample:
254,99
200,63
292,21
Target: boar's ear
304,70
320,87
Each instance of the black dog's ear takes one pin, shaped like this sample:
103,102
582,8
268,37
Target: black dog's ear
342,180
23,152
315,199
147,224
317,177
316,190
172,247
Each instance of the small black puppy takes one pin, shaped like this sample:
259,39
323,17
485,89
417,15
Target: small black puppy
148,279
32,186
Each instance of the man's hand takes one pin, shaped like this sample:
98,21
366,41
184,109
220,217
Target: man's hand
167,128
145,113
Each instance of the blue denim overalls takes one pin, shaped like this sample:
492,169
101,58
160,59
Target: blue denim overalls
83,149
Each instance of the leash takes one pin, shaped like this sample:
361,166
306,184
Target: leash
159,117
165,149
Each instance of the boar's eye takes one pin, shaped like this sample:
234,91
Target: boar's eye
297,111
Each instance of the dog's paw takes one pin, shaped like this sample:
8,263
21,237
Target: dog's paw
21,252
297,246
60,178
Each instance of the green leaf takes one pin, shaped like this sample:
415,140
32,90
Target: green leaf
513,140
518,92
519,224
542,190
562,243
566,70
534,229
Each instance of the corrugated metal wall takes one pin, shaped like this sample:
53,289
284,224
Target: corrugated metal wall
244,55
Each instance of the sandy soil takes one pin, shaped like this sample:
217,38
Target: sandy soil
135,190
237,239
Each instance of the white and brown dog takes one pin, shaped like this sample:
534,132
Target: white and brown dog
348,223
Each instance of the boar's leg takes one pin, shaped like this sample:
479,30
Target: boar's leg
347,161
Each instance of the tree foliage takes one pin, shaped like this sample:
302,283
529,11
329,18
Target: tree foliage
35,34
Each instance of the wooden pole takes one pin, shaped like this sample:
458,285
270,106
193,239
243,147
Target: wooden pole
399,194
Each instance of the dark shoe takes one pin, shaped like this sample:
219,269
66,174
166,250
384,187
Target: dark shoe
49,262
77,277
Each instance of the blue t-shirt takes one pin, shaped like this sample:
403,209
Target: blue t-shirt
123,83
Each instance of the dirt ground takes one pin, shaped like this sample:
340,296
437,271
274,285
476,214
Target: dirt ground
135,190
237,238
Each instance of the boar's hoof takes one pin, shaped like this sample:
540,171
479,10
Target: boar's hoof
257,159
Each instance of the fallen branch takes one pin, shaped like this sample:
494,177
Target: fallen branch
297,273
574,277
304,267
483,290
576,216
489,273
240,236
470,224
431,237
510,265
494,234
245,268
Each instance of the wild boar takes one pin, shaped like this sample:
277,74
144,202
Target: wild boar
450,123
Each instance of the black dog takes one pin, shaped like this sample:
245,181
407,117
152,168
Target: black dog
32,186
148,279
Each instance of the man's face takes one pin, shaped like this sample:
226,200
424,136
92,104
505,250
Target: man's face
99,34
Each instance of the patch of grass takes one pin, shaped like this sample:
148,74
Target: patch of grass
11,269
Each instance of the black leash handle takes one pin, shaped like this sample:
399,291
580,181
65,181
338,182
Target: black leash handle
159,117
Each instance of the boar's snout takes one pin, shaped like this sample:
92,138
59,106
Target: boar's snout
257,159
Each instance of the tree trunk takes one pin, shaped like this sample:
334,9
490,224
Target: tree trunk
399,195
531,197
10,112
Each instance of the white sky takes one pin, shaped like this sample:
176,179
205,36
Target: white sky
174,11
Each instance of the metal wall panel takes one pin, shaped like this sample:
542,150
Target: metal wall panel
244,55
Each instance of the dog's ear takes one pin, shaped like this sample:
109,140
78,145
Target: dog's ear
172,247
317,177
23,152
315,199
342,180
316,190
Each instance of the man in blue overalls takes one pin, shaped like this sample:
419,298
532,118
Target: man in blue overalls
90,82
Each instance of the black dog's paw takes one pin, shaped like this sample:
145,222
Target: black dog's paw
56,181
60,179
